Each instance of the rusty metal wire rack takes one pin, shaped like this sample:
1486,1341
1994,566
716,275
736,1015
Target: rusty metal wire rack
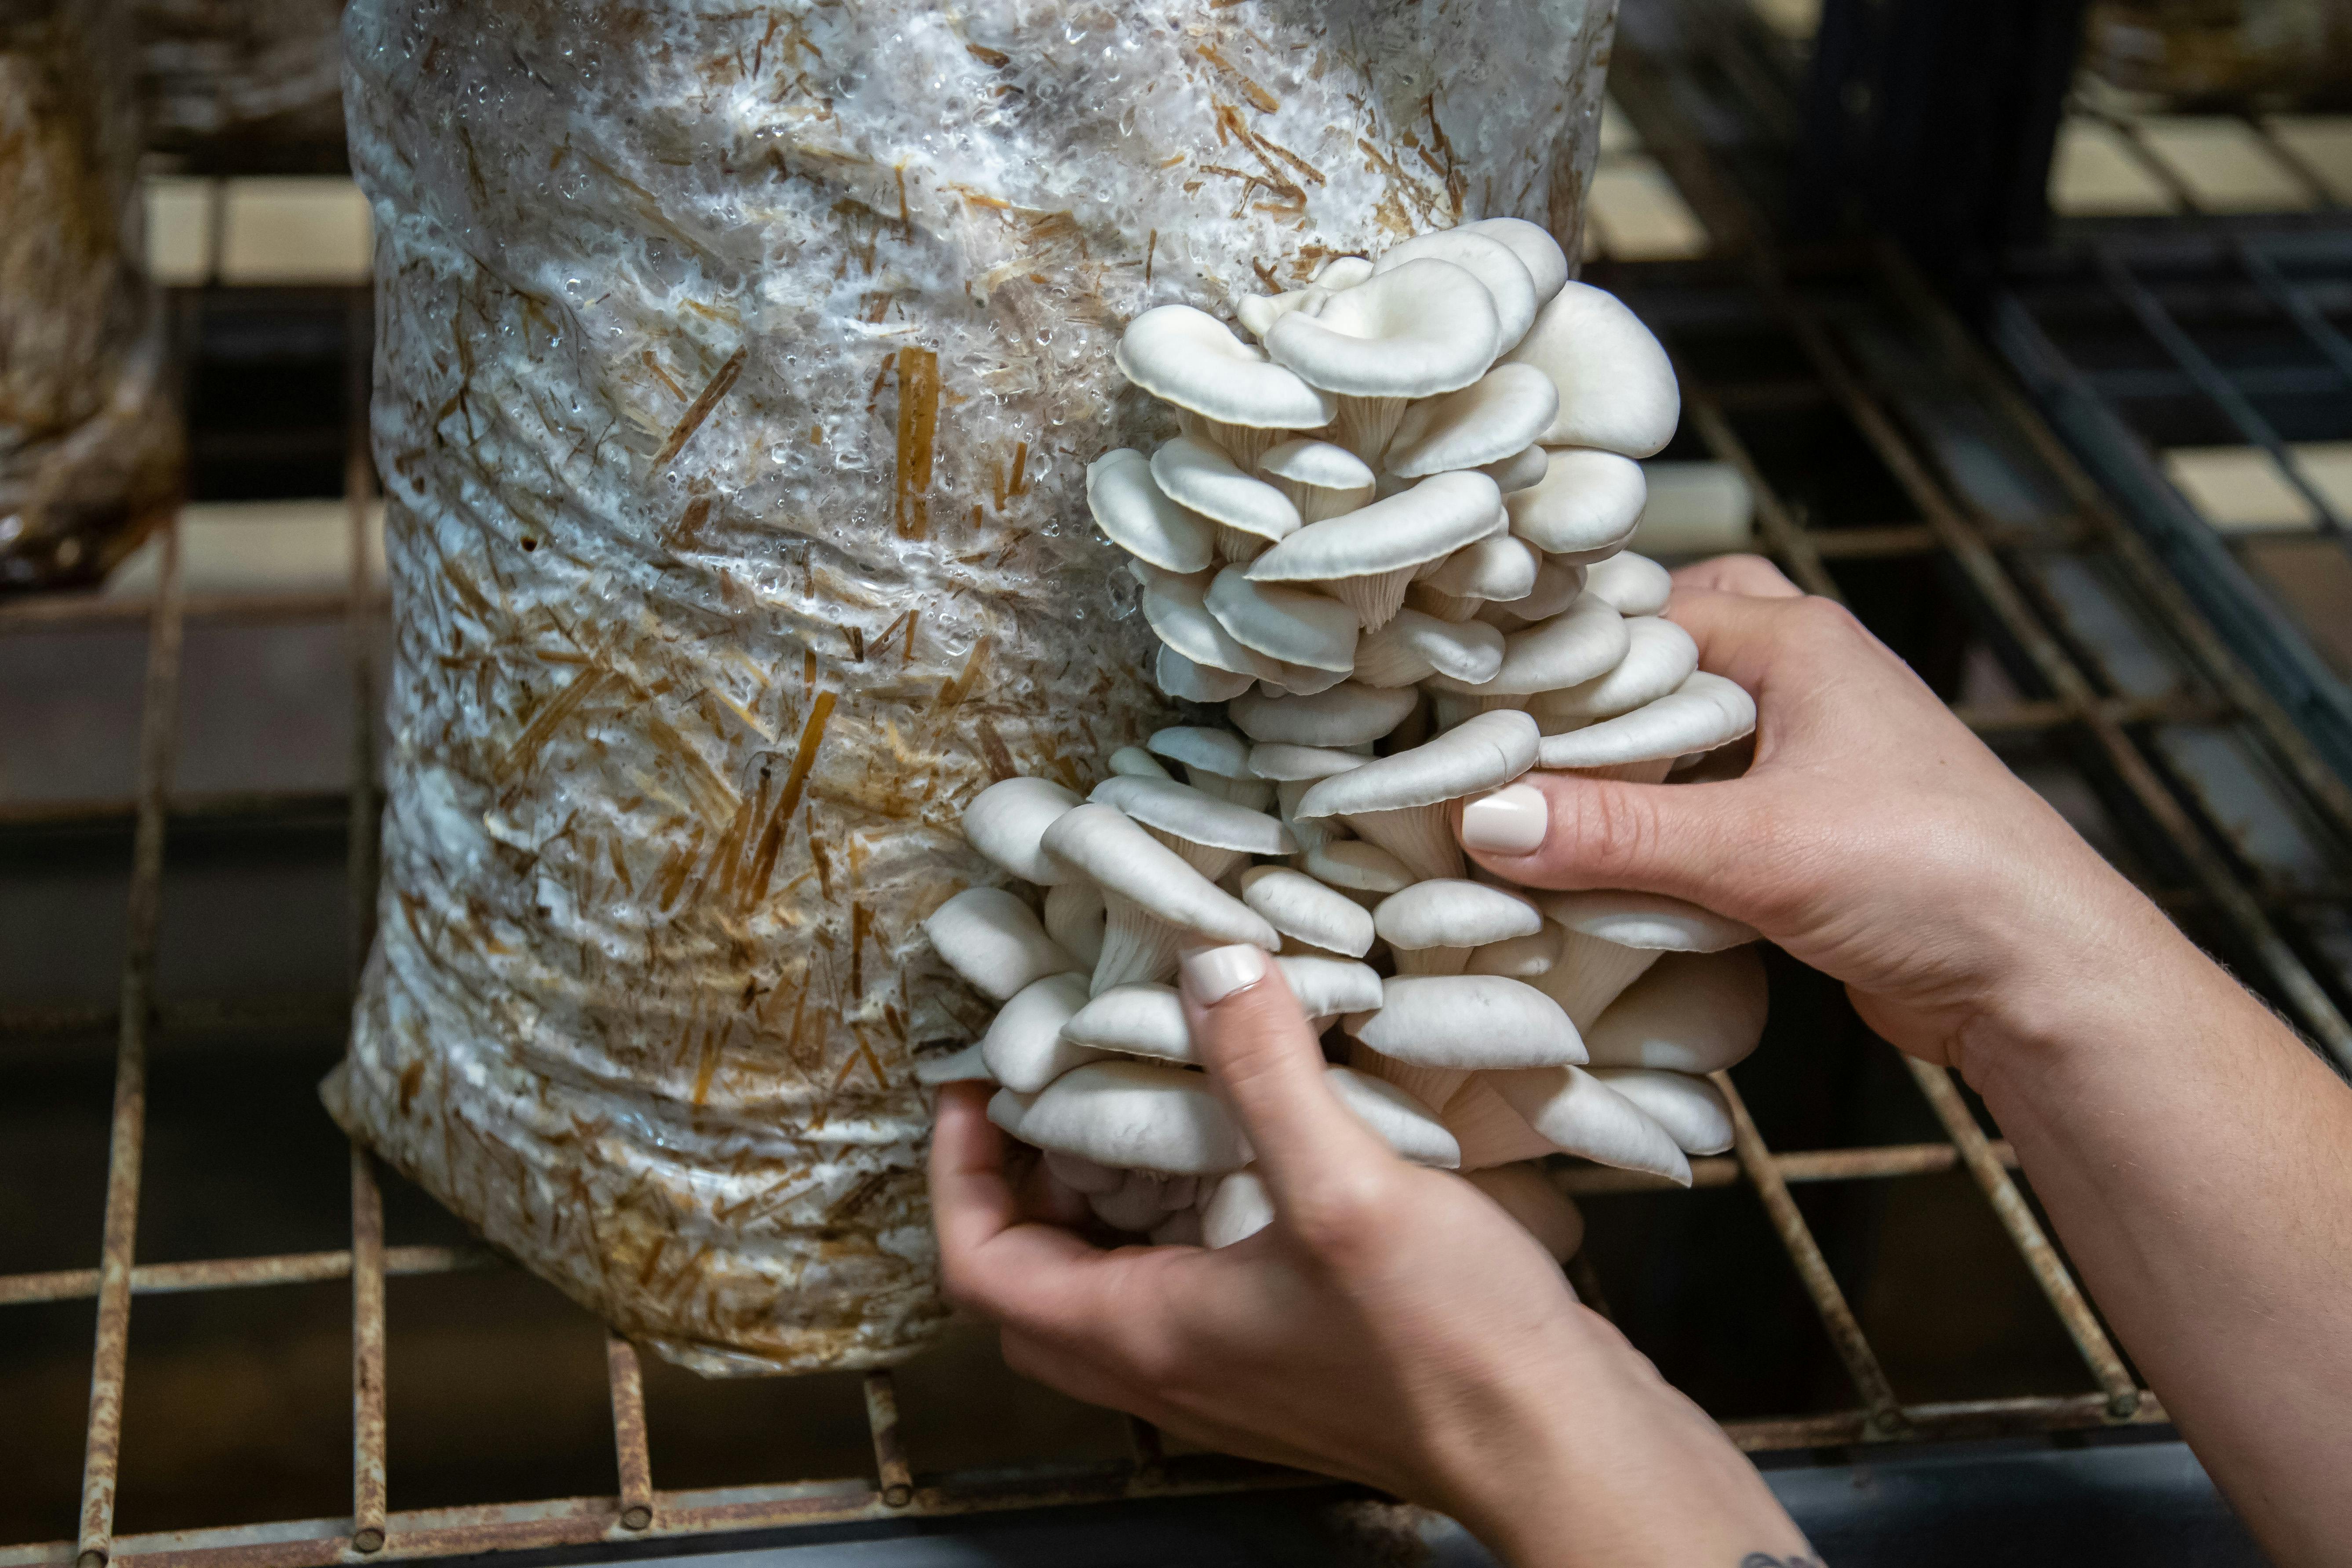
1828,325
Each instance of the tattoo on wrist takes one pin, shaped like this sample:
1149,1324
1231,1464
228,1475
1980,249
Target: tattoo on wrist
1765,1560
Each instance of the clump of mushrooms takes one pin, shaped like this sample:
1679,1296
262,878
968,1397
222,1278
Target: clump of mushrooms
1390,542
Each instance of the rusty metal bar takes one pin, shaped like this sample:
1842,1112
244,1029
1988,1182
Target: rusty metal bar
634,1461
158,735
369,1479
179,1017
1784,536
84,612
897,1482
228,805
1885,1414
244,1273
1874,543
1582,1180
2065,1297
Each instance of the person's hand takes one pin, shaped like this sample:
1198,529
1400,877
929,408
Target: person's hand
1392,1326
1873,836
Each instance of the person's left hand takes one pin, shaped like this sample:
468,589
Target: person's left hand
1392,1326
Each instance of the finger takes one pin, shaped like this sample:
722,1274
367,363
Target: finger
1707,843
1751,576
991,1258
1258,1044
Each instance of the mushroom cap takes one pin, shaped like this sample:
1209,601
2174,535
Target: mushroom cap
1286,763
1522,469
1099,839
1537,251
1413,645
1659,657
1543,1211
1196,816
1191,359
1129,506
1353,864
1617,387
1204,751
1193,473
1492,419
1692,1110
1298,906
1705,712
1472,1021
1181,679
1558,586
1142,1018
1425,326
1023,1046
1586,501
1486,257
1139,1116
1343,272
1177,609
1083,1175
1408,1127
1482,753
1576,1112
1284,623
1519,957
1346,715
989,938
1318,465
1134,762
1434,517
1006,820
1259,312
1497,567
1692,1012
1652,922
966,1065
1581,642
1237,1210
1636,584
1325,986
1447,911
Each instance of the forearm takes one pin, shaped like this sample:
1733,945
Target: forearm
2197,1160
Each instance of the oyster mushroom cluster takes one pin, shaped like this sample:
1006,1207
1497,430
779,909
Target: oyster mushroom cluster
1389,541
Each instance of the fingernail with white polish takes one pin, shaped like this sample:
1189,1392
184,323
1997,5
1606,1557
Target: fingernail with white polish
1214,974
1508,822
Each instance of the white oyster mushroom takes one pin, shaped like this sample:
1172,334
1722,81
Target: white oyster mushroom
1617,387
1705,711
1422,328
1367,558
1074,917
1432,926
1558,586
1293,770
1585,640
1584,508
1410,1130
1177,609
1152,901
1343,272
1136,1116
1691,1109
1474,1021
1141,1018
966,1065
1659,657
1213,836
1489,258
1491,420
1529,957
1237,1210
1522,1191
1135,763
1579,1114
1139,1204
1346,715
1635,585
1414,646
1523,469
1327,987
1355,867
1537,251
989,938
1291,624
1007,1107
1400,802
1430,1086
1301,908
1007,820
1215,762
1248,512
1611,938
1181,679
1489,1131
1692,1012
1322,479
1301,680
1082,1175
1234,393
1132,509
1024,1048
1497,568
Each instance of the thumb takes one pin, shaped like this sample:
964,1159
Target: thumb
1699,842
1260,1049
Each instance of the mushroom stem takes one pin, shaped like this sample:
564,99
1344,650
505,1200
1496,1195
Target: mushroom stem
1255,794
1591,974
1445,606
1419,835
1432,960
1074,917
1315,503
1366,424
1376,598
1208,860
1245,444
1136,946
1239,543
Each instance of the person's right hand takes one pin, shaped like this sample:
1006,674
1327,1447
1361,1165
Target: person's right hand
1873,836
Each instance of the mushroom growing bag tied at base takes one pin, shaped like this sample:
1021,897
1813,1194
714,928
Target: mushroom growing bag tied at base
738,374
